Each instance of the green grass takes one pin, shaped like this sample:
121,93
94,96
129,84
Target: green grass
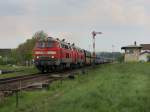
109,88
20,70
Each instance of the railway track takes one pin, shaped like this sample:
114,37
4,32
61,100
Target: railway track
22,82
27,81
23,77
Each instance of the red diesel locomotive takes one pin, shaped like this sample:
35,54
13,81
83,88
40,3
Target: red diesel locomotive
53,54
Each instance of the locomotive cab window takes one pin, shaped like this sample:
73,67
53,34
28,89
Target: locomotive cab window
48,44
51,44
41,44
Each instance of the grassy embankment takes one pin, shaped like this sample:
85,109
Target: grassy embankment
109,88
20,70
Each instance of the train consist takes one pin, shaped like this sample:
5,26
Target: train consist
55,55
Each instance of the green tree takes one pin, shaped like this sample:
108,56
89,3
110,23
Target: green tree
120,58
148,58
40,35
24,51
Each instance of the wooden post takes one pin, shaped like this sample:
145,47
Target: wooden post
61,81
17,98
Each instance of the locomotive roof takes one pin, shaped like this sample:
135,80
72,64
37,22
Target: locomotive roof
48,39
61,41
51,39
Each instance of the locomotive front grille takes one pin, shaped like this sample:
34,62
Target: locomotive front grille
43,57
45,60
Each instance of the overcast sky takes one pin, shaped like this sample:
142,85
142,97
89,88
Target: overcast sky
121,21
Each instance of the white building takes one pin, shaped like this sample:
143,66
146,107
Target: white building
132,53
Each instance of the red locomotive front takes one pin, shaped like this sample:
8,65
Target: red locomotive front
47,54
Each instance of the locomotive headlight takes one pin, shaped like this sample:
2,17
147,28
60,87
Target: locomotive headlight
52,57
37,57
51,52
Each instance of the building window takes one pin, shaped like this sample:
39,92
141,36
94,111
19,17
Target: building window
130,51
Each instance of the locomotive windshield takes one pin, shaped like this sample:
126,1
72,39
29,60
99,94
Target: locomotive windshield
52,44
47,44
41,44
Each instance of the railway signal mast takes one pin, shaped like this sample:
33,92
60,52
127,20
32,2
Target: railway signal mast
93,36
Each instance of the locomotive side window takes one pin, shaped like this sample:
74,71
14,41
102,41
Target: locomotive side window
64,46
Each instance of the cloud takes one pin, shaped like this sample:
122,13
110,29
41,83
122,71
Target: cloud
74,19
12,7
118,12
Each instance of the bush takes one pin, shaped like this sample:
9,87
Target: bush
121,58
8,60
148,58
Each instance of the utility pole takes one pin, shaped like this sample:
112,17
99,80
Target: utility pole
89,47
94,35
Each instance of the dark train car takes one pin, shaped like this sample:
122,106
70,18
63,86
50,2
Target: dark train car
88,60
99,59
81,57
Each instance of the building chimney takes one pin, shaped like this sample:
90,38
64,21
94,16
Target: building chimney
135,43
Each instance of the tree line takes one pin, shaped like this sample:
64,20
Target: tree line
23,53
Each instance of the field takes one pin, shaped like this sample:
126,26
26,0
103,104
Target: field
107,88
19,70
